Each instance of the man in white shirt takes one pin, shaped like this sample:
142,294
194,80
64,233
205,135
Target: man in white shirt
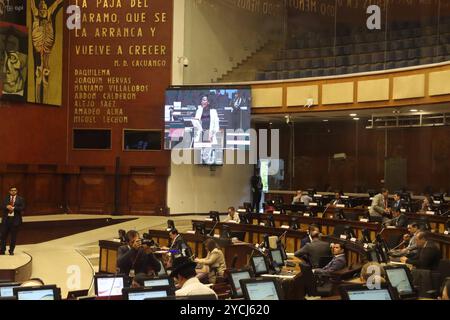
302,198
184,271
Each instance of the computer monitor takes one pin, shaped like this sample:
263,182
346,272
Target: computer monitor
215,216
159,282
37,293
294,225
366,236
373,256
400,278
259,265
6,289
261,289
170,225
382,249
225,232
243,218
248,207
199,228
139,294
234,279
110,285
271,221
277,257
362,292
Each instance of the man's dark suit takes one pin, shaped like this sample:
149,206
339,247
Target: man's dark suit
141,262
305,241
182,247
314,251
11,224
397,205
427,258
338,263
257,187
400,222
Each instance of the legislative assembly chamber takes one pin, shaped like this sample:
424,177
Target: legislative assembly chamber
228,150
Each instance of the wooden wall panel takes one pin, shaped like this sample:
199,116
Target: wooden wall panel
143,194
36,140
427,151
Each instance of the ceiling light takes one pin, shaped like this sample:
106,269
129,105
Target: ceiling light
414,110
325,120
353,114
356,119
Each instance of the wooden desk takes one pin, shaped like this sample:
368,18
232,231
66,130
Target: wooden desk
437,223
327,225
255,233
108,250
356,253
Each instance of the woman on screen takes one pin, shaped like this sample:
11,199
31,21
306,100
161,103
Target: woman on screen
207,123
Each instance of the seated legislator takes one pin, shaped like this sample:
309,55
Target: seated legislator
379,208
338,262
184,272
398,203
136,258
178,244
428,256
214,263
308,239
302,198
312,252
399,219
409,240
337,199
233,216
426,204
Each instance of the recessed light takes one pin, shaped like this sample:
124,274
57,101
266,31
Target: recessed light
353,114
356,119
325,120
414,110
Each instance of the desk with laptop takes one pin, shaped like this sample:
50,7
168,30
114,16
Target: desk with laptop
14,291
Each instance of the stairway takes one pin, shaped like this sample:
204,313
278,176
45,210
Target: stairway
248,68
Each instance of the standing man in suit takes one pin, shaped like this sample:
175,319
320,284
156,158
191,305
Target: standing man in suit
257,187
13,207
315,250
338,262
236,111
379,207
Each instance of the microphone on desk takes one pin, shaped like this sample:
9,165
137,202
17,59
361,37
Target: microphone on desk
213,228
326,208
283,235
401,244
